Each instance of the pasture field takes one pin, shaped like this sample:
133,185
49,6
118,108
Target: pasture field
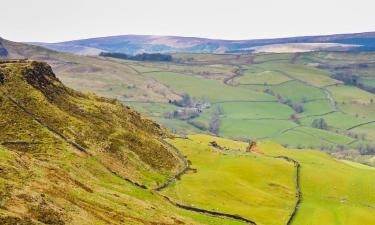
255,110
253,129
333,191
252,184
246,88
298,91
236,183
317,107
336,120
368,129
213,90
306,74
261,77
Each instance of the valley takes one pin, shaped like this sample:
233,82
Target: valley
235,145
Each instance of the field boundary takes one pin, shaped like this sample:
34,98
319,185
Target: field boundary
180,173
298,193
361,124
208,212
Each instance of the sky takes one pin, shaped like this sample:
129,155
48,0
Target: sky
61,20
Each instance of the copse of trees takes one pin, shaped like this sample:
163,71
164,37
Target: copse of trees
351,79
185,101
320,124
214,125
296,106
139,57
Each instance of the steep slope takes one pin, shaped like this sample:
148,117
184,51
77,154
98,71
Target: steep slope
98,126
132,44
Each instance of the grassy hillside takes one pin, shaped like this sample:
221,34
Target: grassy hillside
71,158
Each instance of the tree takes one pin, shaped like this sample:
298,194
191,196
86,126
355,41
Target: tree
320,124
214,125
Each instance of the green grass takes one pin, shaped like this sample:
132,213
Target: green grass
234,183
343,195
336,120
317,107
262,77
296,139
298,91
354,101
252,184
253,128
152,109
325,135
310,75
214,90
255,110
368,129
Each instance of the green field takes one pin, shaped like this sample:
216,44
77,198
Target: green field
214,90
260,187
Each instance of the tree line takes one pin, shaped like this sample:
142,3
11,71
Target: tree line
139,57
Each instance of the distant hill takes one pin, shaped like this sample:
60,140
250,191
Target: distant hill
3,51
135,44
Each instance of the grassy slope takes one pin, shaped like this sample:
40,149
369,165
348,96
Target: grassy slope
246,185
215,91
334,192
44,179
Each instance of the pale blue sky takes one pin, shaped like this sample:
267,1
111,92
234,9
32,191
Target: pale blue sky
58,20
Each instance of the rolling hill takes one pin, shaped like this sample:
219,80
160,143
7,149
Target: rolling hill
73,158
133,44
263,96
